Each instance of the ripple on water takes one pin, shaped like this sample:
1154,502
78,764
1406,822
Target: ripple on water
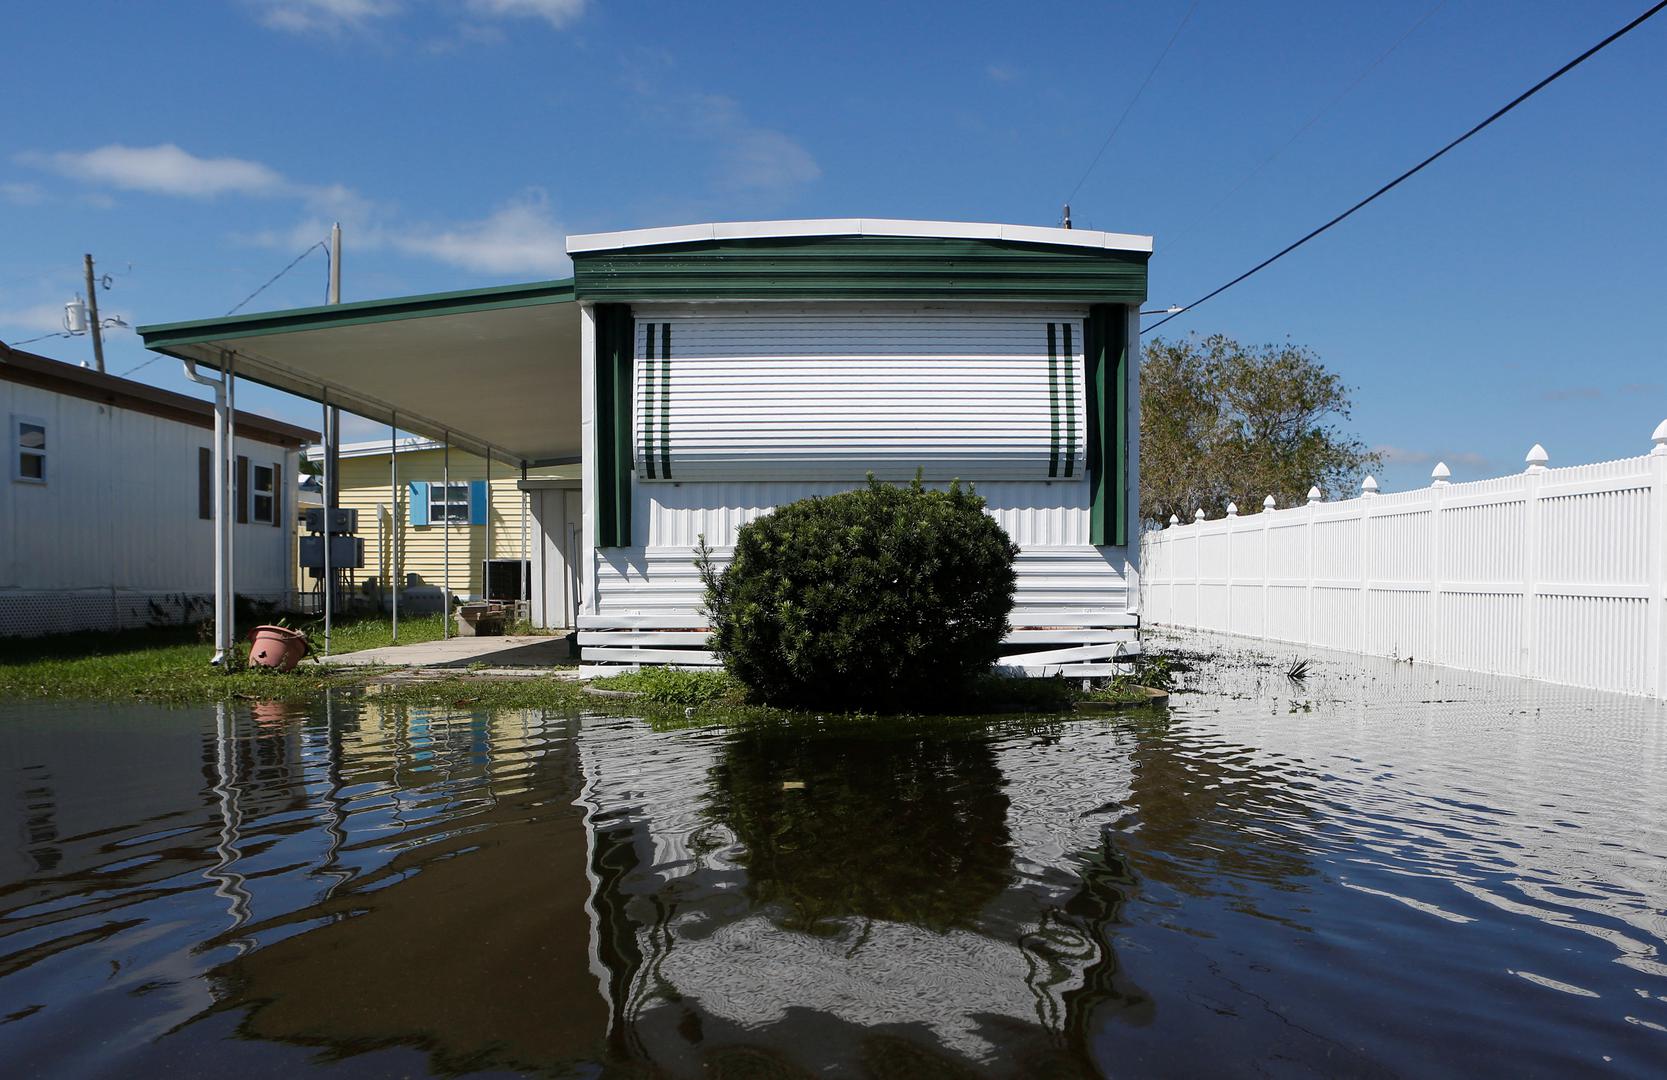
1380,870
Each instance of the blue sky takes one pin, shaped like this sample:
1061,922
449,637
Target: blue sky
1511,294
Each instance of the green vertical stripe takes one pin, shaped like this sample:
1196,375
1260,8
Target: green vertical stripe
1106,349
665,400
1053,406
1069,361
648,399
615,347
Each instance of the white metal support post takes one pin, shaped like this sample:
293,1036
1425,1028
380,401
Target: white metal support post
1227,556
394,529
1267,589
328,580
445,539
234,497
1433,621
1656,660
1528,664
526,546
218,479
486,566
1313,508
1363,617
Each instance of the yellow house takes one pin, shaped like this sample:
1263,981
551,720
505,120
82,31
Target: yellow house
413,524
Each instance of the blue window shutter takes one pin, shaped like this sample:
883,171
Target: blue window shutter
477,502
416,506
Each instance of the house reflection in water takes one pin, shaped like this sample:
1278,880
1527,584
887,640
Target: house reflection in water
515,891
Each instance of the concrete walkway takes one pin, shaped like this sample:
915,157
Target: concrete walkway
494,652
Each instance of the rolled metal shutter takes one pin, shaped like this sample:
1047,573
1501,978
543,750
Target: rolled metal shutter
797,396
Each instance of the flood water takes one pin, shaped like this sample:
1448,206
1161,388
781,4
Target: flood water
1403,871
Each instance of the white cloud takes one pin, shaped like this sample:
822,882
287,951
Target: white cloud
37,317
22,194
341,16
326,16
557,13
164,169
520,237
750,157
1401,455
1002,73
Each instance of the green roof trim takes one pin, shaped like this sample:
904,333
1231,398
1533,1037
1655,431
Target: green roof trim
861,268
162,336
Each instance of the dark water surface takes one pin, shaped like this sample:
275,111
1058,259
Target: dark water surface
1402,872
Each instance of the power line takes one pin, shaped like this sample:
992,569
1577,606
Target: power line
1170,242
43,337
1507,107
137,367
1130,106
279,274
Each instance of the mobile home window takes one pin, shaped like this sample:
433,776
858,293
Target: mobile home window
29,449
449,503
263,488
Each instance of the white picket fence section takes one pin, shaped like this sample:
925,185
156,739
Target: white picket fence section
1553,574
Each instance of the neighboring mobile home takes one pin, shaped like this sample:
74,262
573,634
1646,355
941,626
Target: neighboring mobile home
445,536
105,512
701,375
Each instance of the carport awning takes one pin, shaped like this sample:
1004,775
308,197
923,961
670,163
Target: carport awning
492,369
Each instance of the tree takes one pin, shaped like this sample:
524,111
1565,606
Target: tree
1222,422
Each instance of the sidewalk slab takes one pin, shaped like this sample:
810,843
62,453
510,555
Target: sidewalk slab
495,652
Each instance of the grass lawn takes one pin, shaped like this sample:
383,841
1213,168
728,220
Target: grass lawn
171,665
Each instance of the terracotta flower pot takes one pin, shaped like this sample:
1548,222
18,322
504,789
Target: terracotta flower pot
276,647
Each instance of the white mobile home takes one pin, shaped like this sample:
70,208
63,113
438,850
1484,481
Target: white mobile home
106,508
701,375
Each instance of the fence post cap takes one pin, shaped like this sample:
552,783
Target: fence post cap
1314,493
1369,486
1268,503
1198,514
1440,474
1537,458
1232,509
1173,520
1659,437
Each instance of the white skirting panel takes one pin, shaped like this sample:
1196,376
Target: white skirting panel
663,581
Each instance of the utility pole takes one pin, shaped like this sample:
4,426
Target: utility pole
333,418
92,315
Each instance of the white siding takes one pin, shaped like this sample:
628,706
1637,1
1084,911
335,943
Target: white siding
1052,581
804,394
775,403
118,513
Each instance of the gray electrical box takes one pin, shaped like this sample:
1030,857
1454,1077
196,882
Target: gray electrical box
341,521
346,552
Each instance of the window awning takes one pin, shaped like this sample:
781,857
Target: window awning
495,370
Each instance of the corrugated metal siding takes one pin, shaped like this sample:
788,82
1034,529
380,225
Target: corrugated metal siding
858,268
1035,513
809,396
365,487
120,505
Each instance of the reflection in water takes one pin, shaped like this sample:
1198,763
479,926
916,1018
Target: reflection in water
851,824
1395,877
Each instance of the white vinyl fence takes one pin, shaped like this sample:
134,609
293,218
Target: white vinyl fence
1554,574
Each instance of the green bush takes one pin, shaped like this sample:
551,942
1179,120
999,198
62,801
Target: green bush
880,598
